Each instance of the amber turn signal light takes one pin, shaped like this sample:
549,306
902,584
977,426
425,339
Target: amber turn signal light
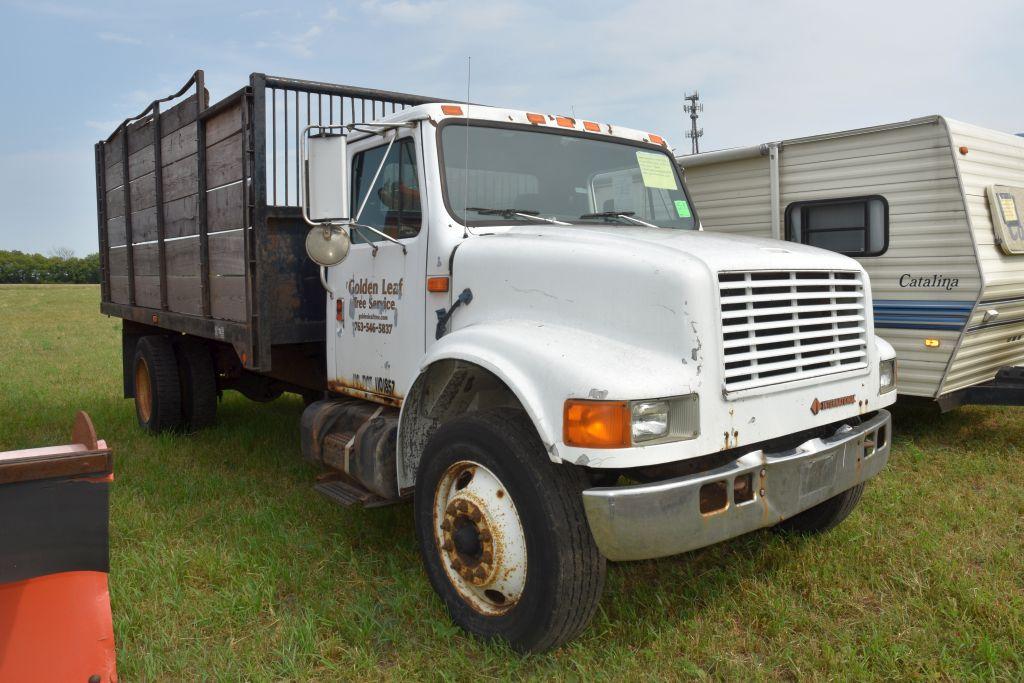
596,424
437,284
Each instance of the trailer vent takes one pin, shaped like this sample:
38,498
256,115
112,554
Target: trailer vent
782,326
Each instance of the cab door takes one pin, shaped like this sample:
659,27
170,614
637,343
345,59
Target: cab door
378,311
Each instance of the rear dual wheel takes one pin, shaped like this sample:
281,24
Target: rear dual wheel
503,535
175,384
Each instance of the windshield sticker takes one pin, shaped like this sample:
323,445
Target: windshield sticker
683,208
656,170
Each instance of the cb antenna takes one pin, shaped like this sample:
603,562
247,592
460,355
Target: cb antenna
693,107
465,194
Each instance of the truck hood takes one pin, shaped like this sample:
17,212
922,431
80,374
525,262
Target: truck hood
717,251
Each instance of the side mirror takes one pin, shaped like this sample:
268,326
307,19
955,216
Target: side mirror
325,197
326,176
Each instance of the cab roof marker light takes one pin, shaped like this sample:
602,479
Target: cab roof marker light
592,127
536,118
451,110
565,121
657,139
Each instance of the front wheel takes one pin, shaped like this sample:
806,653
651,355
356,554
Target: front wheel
503,534
823,516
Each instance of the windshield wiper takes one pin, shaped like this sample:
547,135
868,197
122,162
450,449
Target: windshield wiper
628,215
515,213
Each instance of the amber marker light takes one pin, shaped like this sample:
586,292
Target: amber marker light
964,150
591,126
931,343
437,284
451,110
656,139
535,118
565,121
596,424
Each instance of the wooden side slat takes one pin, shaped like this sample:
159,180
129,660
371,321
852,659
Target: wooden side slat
227,253
224,208
114,151
184,295
180,217
147,290
115,202
147,261
144,225
224,161
112,176
183,257
141,162
227,297
223,125
181,178
115,232
119,289
178,144
140,134
143,193
179,115
119,263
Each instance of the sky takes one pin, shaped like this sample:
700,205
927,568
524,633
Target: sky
764,70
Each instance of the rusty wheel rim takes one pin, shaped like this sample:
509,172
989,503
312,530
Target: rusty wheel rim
143,390
480,538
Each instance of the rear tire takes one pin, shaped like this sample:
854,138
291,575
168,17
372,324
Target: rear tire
198,384
823,516
157,387
503,535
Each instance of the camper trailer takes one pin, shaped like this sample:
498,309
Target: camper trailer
931,207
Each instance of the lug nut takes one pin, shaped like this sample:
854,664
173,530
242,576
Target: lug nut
446,524
474,515
486,557
485,535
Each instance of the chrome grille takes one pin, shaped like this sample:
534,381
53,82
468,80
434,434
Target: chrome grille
781,326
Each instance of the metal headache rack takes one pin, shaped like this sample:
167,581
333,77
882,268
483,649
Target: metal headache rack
200,229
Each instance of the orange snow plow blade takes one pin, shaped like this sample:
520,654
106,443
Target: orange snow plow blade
55,621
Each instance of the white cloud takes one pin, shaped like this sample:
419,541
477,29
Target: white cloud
405,11
119,38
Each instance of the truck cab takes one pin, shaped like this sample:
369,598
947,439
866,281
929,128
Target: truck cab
527,333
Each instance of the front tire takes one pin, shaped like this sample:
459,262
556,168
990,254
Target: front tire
157,388
503,535
823,516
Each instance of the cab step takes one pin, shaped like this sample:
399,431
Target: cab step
347,494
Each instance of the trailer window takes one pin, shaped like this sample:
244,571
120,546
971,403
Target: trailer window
854,226
393,206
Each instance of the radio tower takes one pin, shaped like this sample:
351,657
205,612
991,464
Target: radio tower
693,107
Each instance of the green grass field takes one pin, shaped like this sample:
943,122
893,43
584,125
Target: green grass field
225,564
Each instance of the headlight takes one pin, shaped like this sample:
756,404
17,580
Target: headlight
886,376
649,420
620,424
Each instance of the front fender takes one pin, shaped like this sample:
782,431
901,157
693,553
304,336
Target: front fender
884,348
545,364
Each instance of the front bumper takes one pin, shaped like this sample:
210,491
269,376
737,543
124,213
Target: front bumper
664,518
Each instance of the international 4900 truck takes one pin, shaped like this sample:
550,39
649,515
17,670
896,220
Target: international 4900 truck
512,318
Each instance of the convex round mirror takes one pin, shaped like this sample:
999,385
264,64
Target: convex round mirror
328,245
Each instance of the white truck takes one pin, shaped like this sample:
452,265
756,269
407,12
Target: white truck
514,319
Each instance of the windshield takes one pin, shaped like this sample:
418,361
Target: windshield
533,175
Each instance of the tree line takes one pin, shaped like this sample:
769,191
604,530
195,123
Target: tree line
63,267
